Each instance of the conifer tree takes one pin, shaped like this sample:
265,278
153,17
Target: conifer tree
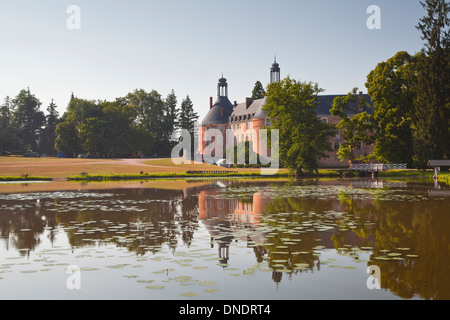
432,104
258,91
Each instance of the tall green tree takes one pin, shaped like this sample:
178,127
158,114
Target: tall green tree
48,136
355,124
171,112
258,91
28,118
9,135
187,117
303,138
94,137
67,138
150,115
187,120
432,104
391,88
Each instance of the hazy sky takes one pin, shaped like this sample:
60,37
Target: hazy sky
185,45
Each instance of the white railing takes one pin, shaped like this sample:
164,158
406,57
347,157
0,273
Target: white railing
377,166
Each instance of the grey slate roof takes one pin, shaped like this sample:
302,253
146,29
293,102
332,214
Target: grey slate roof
255,109
220,112
326,101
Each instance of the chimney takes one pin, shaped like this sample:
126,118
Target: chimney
210,102
248,101
235,104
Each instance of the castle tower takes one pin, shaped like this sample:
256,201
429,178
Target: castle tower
275,72
218,115
222,87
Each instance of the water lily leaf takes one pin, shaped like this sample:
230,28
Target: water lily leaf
155,287
189,294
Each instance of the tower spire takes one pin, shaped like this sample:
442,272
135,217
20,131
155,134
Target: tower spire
275,71
222,87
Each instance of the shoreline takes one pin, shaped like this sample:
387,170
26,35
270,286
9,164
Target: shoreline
17,169
323,173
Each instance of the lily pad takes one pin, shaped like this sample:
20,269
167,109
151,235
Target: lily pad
155,287
189,294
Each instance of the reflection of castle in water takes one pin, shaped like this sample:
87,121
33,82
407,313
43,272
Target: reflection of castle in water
229,220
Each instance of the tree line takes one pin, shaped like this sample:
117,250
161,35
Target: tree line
141,123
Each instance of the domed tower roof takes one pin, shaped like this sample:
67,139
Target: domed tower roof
222,109
220,112
275,66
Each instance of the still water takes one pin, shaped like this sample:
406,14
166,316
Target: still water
232,239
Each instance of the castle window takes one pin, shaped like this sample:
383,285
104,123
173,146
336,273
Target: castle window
358,145
336,145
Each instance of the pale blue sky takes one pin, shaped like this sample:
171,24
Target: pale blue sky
186,45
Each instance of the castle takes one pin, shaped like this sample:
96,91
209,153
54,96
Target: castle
248,117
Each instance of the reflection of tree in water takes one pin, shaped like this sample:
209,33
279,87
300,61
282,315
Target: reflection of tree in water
402,226
22,224
423,229
162,222
189,219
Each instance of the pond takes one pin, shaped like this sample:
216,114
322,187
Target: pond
226,239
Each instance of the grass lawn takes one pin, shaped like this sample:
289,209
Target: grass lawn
63,168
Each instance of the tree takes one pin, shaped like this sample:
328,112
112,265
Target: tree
150,115
48,136
188,120
9,136
432,104
303,138
28,118
391,89
93,136
170,119
67,139
355,124
258,91
188,117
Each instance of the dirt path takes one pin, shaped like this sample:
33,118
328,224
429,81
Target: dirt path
138,162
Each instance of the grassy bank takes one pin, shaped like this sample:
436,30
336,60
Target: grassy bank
114,177
45,169
13,178
417,174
